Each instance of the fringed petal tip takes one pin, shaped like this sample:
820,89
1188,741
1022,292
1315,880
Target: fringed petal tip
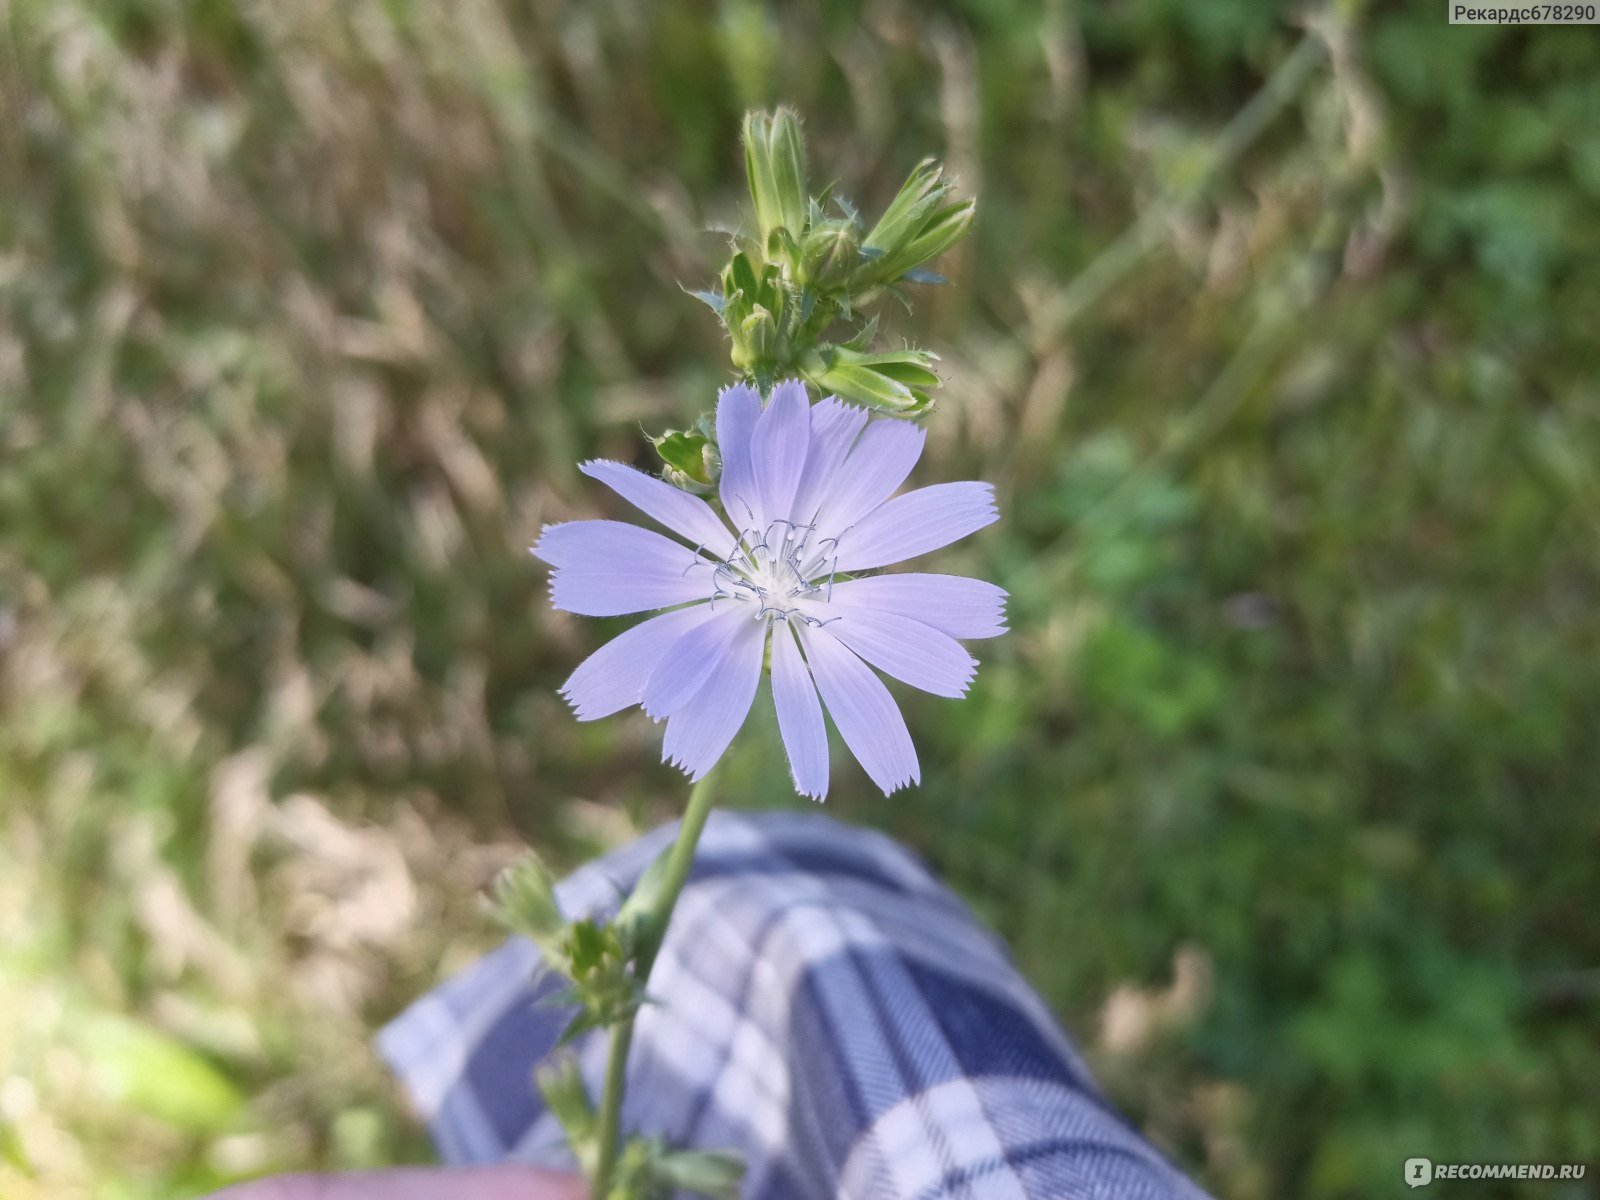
541,545
791,389
580,711
551,593
737,390
692,774
912,778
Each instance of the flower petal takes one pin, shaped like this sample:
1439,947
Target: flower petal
608,568
699,732
689,660
805,736
916,523
877,465
778,448
614,676
952,604
834,429
907,650
867,717
684,514
603,545
588,594
738,409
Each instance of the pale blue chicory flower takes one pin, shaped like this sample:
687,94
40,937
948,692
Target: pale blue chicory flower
807,491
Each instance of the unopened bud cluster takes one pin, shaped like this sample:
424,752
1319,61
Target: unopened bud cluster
811,263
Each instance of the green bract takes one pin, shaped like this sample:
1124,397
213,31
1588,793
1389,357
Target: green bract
690,457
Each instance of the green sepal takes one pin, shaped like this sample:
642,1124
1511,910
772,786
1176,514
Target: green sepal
803,307
764,376
863,336
740,275
782,247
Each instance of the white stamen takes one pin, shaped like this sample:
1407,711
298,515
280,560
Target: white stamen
777,571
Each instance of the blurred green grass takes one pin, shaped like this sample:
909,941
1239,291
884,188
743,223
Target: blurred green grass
1284,785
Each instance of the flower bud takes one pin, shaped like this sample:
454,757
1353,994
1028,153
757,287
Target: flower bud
775,165
919,225
942,230
524,900
760,336
898,381
829,253
690,462
923,188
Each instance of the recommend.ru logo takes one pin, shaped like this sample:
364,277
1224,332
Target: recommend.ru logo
1422,1171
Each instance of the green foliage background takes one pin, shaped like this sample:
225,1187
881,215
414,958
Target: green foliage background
1285,785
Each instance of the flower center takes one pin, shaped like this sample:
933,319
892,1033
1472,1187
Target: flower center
781,573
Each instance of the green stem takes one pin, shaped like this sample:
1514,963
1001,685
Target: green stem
679,861
611,1107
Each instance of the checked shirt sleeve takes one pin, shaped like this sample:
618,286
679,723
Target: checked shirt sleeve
826,1007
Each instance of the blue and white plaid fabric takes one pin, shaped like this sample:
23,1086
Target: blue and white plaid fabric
826,1007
